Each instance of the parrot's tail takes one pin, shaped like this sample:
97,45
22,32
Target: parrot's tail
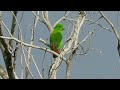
54,56
57,51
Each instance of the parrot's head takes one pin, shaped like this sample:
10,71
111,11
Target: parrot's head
59,27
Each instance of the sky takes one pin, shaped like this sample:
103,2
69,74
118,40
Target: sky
93,65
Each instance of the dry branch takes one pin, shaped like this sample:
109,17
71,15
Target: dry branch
3,73
72,41
6,54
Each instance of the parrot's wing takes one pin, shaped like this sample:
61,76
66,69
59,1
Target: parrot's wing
56,39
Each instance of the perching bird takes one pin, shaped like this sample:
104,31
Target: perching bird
56,39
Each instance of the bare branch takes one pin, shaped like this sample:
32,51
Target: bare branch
27,67
32,39
3,73
73,40
34,64
13,27
46,21
62,18
43,64
99,25
83,40
43,41
33,46
114,30
112,26
68,66
6,54
21,64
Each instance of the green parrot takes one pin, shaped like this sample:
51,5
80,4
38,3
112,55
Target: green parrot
56,39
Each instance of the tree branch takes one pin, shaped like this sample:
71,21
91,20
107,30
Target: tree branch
112,26
73,40
13,28
43,41
32,40
46,21
33,46
6,54
114,30
98,24
3,73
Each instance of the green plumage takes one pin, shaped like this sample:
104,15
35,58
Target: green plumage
56,39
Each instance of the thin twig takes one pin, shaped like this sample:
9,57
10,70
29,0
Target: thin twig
43,63
33,46
43,41
112,26
13,28
98,24
46,21
84,39
34,63
26,62
32,39
21,64
62,18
